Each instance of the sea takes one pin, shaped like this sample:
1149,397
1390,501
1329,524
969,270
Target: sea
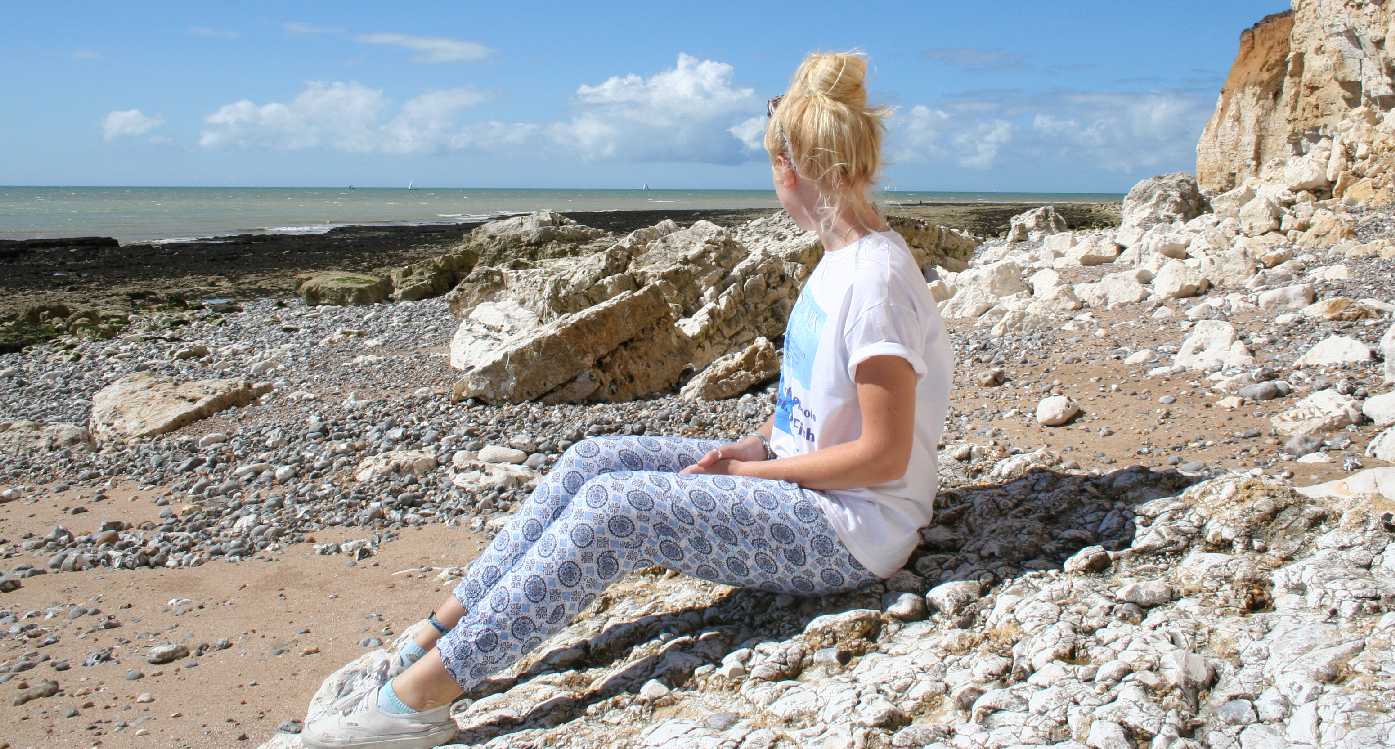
165,214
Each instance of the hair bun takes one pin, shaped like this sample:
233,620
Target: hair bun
836,75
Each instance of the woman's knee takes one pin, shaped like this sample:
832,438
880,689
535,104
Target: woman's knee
602,451
613,503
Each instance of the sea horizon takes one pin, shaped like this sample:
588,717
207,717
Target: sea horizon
144,214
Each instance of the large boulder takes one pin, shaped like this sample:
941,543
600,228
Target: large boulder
735,373
933,245
754,297
143,404
1036,224
32,436
537,229
486,328
432,277
617,350
1162,200
531,238
724,288
344,288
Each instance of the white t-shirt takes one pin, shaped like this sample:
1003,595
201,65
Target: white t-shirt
863,300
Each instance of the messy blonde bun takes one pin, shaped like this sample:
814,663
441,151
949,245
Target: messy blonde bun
824,126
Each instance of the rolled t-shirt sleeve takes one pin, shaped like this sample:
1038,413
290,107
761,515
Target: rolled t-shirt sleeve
885,329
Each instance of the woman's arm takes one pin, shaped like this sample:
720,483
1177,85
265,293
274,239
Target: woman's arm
886,396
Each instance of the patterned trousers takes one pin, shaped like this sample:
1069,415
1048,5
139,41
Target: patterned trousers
615,504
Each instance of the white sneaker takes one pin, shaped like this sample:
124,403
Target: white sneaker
371,727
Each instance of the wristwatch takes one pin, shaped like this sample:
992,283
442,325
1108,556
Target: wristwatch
769,453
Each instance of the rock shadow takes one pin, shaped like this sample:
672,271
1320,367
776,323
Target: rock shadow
988,533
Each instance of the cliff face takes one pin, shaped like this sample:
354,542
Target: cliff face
1308,103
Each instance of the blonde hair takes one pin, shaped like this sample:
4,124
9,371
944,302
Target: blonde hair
825,128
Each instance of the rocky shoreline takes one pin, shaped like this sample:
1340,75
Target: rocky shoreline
98,282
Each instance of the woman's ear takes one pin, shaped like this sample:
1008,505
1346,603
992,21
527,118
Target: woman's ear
784,173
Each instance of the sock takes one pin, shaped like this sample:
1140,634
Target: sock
409,654
390,703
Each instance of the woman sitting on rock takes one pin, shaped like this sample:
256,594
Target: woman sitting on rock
826,496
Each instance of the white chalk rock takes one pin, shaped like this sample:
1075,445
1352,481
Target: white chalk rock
1056,410
1213,344
1321,412
1177,280
1287,298
1335,351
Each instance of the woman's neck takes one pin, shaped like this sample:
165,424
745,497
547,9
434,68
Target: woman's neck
851,223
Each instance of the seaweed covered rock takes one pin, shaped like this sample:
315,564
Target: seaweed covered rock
343,288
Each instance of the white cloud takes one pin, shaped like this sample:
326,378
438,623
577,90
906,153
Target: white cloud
925,134
210,33
430,49
346,117
128,123
300,27
86,54
1115,131
691,112
429,122
751,132
1123,132
917,135
978,147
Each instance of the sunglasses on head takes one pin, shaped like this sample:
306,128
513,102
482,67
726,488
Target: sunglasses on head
771,105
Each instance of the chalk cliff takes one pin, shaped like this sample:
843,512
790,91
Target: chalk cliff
1307,104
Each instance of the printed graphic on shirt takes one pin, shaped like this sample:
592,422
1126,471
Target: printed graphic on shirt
801,349
802,338
791,416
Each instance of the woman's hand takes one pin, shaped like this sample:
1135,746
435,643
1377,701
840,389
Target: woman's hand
719,461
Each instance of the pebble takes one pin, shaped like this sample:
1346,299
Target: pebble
166,653
904,606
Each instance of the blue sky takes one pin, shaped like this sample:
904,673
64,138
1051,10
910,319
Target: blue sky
1013,96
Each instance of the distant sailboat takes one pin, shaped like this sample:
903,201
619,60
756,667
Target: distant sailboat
646,185
410,184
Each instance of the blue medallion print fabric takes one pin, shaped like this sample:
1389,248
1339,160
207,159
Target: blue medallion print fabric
615,504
